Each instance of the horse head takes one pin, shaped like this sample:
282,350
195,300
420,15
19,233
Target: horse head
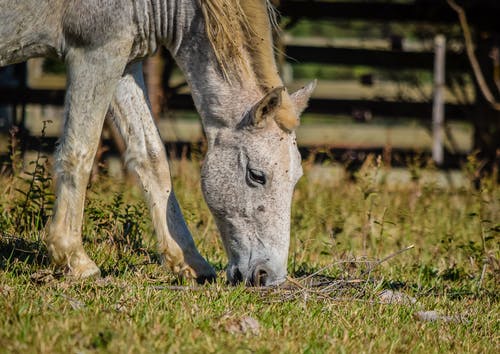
248,178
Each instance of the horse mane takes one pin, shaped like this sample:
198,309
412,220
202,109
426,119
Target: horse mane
227,28
233,26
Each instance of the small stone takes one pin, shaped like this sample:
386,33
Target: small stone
243,325
395,297
433,316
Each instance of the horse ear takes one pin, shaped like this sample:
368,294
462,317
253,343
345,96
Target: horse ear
301,97
266,108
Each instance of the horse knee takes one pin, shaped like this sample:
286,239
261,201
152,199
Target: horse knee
73,163
150,161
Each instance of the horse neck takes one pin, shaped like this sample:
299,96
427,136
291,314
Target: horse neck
219,101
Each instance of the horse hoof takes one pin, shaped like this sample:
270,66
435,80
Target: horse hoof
196,267
206,278
83,271
202,271
203,277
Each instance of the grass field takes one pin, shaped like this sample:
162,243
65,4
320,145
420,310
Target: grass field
437,249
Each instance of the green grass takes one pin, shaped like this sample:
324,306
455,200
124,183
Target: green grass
339,228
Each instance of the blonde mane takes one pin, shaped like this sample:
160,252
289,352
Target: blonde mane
233,26
227,28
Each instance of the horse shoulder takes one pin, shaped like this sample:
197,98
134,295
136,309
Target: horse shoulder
93,22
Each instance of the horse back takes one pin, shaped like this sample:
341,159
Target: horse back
35,28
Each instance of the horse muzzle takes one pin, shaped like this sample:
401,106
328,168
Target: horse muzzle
262,273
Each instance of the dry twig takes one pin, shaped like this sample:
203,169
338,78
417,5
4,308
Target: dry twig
385,259
469,47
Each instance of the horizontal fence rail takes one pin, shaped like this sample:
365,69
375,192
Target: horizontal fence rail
380,108
352,158
386,59
427,11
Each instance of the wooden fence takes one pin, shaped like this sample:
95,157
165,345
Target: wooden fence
428,11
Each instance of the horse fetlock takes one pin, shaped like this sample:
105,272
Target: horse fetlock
59,248
74,262
174,262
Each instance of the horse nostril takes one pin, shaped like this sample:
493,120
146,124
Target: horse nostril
260,277
237,277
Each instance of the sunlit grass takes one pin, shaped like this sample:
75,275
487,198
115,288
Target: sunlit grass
340,229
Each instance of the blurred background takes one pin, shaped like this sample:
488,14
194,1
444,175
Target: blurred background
394,80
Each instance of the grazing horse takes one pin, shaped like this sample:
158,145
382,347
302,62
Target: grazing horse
224,48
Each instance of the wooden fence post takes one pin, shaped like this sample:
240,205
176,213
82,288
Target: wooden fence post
438,102
153,68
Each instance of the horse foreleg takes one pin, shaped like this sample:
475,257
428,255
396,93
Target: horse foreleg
92,78
146,156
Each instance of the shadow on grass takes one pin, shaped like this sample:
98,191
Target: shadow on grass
145,262
17,250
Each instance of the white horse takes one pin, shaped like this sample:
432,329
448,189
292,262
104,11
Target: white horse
224,48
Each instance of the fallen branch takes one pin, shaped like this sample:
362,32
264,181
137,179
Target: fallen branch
385,259
321,270
178,287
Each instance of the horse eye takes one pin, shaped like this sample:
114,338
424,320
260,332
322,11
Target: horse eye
255,176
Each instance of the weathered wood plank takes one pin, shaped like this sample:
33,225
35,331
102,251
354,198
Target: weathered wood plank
352,158
17,96
373,58
332,106
394,109
484,12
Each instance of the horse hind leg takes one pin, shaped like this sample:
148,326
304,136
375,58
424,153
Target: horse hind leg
90,90
146,156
